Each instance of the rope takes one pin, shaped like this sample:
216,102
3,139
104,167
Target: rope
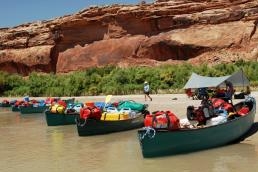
85,120
149,131
79,124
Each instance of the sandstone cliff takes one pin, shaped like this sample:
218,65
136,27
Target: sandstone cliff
167,31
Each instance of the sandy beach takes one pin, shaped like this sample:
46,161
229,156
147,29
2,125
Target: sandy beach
176,103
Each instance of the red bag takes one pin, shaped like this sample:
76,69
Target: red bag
217,102
61,102
243,111
228,107
223,104
196,113
34,101
26,104
162,120
89,112
200,115
6,101
17,103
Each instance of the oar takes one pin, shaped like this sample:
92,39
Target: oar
107,100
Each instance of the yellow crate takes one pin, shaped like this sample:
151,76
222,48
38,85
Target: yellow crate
124,116
115,116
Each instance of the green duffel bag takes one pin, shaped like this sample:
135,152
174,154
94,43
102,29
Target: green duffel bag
132,105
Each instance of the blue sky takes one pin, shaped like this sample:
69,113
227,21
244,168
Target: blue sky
16,12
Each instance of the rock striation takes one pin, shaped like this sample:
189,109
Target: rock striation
166,31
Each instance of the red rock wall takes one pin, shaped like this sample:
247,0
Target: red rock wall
146,34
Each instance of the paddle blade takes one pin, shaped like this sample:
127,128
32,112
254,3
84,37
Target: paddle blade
108,98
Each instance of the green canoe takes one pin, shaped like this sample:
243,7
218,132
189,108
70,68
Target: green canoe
31,109
5,105
162,143
54,119
95,127
15,108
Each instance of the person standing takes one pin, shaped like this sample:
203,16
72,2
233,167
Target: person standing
248,90
229,90
146,90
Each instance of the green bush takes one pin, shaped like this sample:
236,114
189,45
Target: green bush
115,80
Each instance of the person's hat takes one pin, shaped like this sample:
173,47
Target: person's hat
145,82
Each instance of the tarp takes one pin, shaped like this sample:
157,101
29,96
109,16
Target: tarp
198,81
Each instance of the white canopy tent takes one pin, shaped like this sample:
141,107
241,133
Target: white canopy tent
198,81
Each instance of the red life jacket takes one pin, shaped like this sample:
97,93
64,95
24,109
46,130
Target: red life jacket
90,112
162,120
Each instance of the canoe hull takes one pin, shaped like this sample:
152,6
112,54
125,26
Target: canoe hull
162,143
54,119
15,109
28,110
95,127
5,105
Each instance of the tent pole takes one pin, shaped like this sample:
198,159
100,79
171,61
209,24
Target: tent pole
243,79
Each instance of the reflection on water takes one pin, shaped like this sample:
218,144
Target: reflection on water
28,144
